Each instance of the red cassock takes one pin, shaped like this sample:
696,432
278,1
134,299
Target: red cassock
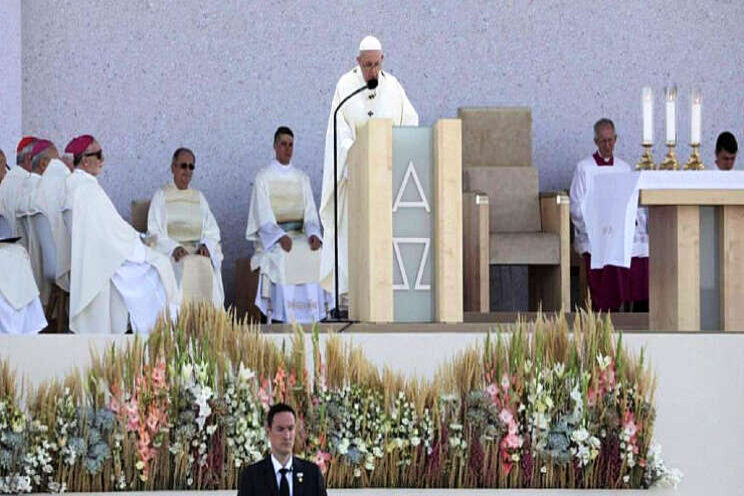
611,286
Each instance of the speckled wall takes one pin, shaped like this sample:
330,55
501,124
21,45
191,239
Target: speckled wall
149,76
10,76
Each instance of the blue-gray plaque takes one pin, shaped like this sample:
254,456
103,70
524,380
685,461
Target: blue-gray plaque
413,225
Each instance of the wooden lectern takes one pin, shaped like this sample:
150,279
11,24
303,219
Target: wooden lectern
371,257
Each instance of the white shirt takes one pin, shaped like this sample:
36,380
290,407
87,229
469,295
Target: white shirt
278,466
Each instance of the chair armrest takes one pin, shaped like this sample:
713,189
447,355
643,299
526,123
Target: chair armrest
475,233
555,216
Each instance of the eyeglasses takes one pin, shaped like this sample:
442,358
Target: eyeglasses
98,154
186,165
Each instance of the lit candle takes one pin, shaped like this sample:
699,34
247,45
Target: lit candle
648,115
671,115
696,117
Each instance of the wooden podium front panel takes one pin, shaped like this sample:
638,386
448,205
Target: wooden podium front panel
448,298
731,256
370,163
674,274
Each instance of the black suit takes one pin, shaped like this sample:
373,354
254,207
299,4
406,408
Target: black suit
259,479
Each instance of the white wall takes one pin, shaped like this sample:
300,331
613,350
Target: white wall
10,77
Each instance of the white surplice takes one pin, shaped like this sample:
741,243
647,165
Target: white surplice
50,200
111,270
10,190
183,218
387,101
27,208
20,306
581,210
282,204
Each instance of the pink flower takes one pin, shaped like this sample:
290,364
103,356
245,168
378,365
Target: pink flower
506,417
115,405
492,391
152,421
321,459
505,384
512,441
158,375
131,409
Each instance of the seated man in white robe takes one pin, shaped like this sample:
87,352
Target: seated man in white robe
387,101
49,201
112,272
10,187
20,306
283,225
184,229
42,153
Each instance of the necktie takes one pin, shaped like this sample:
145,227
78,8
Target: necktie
284,483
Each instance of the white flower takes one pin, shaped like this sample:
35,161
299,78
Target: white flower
603,361
186,371
415,441
357,472
559,369
626,479
343,446
245,374
579,435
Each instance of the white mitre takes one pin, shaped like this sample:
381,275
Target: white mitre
370,43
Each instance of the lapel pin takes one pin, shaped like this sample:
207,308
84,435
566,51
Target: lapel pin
299,477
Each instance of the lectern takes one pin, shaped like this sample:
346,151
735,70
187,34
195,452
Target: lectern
405,223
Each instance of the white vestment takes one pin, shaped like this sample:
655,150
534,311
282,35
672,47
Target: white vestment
282,204
10,190
50,200
183,218
20,307
387,101
580,184
27,208
111,270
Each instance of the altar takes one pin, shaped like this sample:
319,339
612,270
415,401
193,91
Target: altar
674,200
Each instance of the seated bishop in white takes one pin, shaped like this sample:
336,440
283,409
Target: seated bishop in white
283,225
10,187
20,306
387,101
183,228
49,201
42,153
112,273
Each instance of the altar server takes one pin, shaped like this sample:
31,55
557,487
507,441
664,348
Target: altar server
610,287
20,307
181,224
387,101
726,148
112,273
10,188
283,225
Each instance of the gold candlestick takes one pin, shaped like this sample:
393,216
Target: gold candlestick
694,162
647,161
670,161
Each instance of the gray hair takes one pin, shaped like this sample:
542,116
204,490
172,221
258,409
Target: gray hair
603,122
24,151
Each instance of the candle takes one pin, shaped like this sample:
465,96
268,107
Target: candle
696,117
671,115
647,102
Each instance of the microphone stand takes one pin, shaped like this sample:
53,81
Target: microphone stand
371,84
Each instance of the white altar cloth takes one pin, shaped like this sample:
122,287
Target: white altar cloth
611,202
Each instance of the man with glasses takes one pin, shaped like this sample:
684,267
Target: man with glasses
610,287
387,101
284,227
182,227
113,275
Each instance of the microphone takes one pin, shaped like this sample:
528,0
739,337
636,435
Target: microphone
371,84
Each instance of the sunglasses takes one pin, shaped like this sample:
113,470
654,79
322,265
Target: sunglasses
186,165
98,154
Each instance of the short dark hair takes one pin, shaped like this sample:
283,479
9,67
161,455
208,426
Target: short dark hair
181,150
282,130
278,408
726,141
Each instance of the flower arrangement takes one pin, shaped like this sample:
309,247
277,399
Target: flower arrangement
545,407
